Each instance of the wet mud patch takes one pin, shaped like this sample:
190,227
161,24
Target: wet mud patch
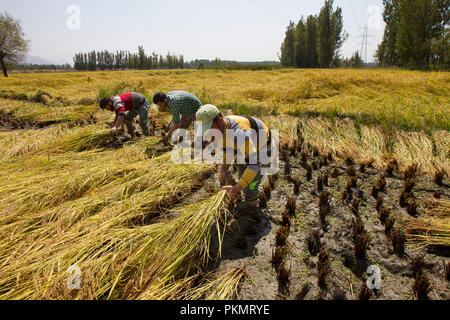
45,98
9,122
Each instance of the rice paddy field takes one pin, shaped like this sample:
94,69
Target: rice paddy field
364,181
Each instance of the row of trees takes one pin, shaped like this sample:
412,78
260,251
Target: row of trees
316,41
355,61
416,34
28,66
105,60
218,63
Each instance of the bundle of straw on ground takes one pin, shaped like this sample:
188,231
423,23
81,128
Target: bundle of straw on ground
174,290
116,180
47,158
417,147
49,204
223,288
438,208
342,138
287,126
116,262
83,139
20,143
213,287
38,114
433,227
441,141
428,232
129,200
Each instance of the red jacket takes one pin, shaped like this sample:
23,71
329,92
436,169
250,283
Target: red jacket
127,102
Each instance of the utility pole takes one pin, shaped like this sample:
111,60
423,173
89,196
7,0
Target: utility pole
365,42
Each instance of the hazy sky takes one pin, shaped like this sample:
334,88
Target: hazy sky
244,30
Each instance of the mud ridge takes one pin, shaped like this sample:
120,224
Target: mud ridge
9,122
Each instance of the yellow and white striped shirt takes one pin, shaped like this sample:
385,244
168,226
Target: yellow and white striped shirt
245,144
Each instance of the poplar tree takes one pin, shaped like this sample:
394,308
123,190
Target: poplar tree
288,47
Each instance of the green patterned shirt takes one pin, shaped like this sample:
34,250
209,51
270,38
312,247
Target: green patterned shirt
182,103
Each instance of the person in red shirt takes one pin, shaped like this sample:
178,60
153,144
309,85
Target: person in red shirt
128,106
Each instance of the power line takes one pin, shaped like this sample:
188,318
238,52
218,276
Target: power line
292,4
270,10
353,11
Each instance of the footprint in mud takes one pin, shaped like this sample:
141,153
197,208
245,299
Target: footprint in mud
245,231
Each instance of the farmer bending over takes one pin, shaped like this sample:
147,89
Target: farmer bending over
183,106
135,103
249,147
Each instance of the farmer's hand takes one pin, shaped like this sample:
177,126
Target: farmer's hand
233,191
114,130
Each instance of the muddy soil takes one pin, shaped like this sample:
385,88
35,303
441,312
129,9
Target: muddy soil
9,122
250,241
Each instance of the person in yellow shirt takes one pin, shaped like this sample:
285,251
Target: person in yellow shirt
245,139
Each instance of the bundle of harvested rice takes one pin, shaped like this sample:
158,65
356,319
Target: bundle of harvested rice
116,262
433,228
197,287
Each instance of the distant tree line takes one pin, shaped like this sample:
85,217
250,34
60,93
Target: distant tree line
105,60
416,34
316,41
29,66
354,62
229,64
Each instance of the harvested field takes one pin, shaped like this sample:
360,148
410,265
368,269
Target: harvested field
364,181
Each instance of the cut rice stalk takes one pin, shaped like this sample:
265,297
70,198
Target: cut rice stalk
118,262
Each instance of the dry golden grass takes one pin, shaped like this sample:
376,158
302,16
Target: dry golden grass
344,140
66,191
380,102
212,287
116,261
37,113
416,147
111,189
441,140
287,125
406,99
19,143
68,199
